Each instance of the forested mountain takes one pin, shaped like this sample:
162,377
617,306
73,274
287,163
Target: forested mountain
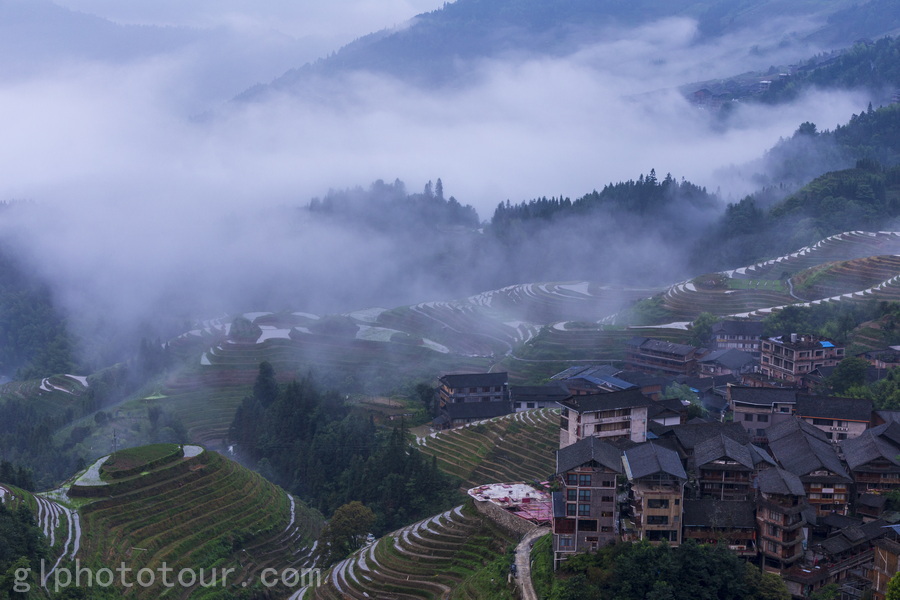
438,47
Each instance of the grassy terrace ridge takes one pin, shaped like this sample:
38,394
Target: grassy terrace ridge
132,461
516,447
200,512
458,554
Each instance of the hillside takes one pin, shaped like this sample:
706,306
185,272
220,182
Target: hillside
456,554
441,46
167,506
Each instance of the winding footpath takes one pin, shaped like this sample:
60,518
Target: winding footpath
523,563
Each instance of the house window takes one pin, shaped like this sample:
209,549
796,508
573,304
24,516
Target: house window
571,495
587,525
584,480
762,418
571,510
657,520
658,503
584,495
584,510
607,499
748,417
571,479
565,542
608,483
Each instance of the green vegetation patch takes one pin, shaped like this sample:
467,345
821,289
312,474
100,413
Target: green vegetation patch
125,463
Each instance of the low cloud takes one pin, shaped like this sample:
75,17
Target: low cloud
140,209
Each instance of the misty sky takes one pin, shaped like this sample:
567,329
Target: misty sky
133,195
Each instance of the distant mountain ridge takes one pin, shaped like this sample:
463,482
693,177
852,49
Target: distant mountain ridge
440,46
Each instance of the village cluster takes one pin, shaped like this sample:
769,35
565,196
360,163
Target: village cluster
798,482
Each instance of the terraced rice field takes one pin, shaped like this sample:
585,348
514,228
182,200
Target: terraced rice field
840,247
517,447
199,512
434,558
59,524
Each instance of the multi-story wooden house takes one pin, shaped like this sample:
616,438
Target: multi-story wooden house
737,335
658,356
729,523
874,459
656,479
758,408
781,501
725,469
805,451
585,510
614,415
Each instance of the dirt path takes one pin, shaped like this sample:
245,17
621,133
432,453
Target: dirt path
523,563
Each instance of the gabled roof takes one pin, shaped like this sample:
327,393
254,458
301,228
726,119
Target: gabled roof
692,434
719,447
803,453
718,514
793,426
643,379
630,398
779,481
650,458
706,383
477,410
586,451
854,536
745,328
730,359
762,396
761,456
474,379
830,407
871,445
654,345
538,393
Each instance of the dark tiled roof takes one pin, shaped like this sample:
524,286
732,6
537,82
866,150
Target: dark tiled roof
692,434
643,379
586,371
706,384
721,446
836,521
889,416
760,456
587,450
851,537
477,410
537,393
654,345
610,401
779,481
732,359
829,407
650,458
872,500
719,514
762,396
869,446
474,380
803,453
745,328
793,426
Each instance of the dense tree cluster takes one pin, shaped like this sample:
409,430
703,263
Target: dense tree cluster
23,547
312,443
640,571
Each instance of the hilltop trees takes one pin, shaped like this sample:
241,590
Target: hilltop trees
313,444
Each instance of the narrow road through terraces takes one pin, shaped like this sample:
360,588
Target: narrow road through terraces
523,563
